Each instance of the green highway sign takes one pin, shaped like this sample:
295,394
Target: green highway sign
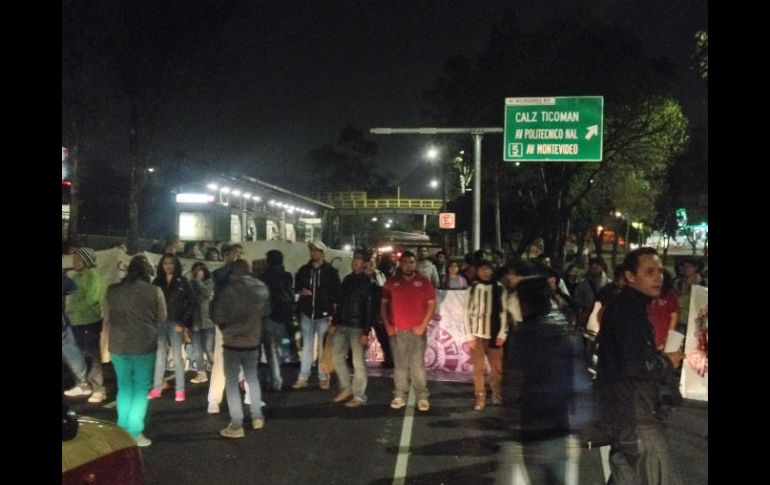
558,129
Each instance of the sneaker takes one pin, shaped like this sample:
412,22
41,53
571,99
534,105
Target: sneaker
142,440
397,403
98,396
257,423
481,402
300,384
213,408
154,394
423,405
324,384
344,395
179,396
497,399
355,402
79,390
231,432
200,377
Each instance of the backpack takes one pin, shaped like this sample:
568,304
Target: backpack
282,299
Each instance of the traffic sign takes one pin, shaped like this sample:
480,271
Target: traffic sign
563,129
446,220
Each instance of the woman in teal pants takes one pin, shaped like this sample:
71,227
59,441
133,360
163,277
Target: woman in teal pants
134,310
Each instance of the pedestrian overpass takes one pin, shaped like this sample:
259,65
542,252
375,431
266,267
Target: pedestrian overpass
358,203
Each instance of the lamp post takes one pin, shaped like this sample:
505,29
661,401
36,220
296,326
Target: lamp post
433,154
477,134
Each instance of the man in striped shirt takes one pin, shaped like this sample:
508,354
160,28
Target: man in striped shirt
486,327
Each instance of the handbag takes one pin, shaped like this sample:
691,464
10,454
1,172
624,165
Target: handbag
325,365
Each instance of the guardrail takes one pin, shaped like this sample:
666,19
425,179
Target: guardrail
389,204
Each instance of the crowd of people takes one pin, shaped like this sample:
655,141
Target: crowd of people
522,319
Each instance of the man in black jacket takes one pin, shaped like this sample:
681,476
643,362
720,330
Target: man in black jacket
350,329
281,319
629,378
318,285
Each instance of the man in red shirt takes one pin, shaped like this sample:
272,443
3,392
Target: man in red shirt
407,305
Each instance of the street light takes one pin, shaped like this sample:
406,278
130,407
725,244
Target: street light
432,154
477,133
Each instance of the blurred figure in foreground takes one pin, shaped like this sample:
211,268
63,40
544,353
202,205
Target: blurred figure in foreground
547,354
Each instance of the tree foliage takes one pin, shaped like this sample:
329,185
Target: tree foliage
348,165
123,78
702,53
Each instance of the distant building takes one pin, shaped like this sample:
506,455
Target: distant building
242,208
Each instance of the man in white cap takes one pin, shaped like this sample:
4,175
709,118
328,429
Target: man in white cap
318,285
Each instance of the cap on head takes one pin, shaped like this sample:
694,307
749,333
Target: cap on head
317,245
87,255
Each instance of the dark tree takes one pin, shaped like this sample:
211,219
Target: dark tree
349,165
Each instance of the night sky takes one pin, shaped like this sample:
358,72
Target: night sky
274,80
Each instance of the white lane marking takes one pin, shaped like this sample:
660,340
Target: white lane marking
399,474
605,452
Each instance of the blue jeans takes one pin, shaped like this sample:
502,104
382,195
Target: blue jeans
249,360
311,327
273,332
202,342
409,362
134,374
72,355
349,338
167,336
88,338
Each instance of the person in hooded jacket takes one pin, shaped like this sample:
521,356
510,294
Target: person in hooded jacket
243,304
318,285
281,318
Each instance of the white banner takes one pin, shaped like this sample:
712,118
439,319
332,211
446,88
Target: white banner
112,264
695,378
446,349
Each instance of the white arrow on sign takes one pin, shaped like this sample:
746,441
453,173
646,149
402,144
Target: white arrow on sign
592,131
